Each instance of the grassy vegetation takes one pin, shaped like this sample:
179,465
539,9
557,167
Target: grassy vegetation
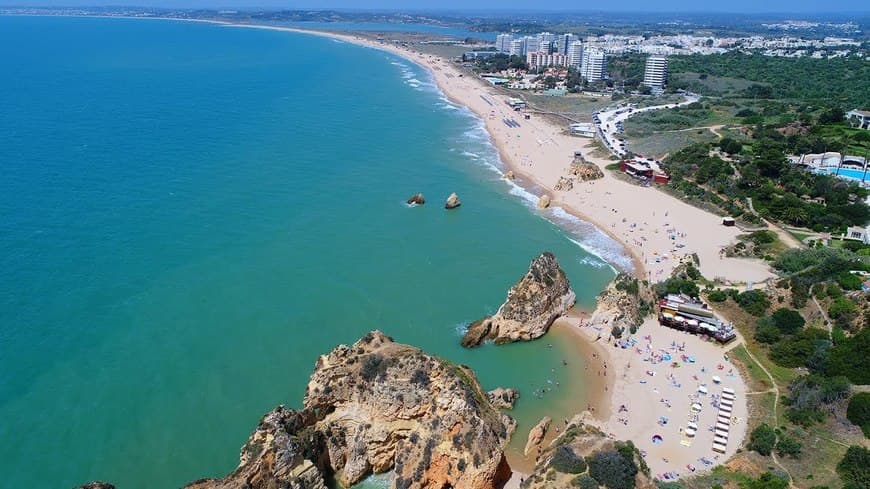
693,115
659,145
808,80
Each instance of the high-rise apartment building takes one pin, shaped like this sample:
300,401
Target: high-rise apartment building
518,47
594,65
655,75
503,43
575,54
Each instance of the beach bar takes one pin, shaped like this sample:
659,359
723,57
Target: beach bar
685,314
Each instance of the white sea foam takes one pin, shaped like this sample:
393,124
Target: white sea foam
604,250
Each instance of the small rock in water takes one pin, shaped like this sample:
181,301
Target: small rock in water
544,202
417,199
510,175
452,201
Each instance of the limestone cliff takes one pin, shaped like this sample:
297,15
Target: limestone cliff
386,405
373,407
582,456
623,305
533,303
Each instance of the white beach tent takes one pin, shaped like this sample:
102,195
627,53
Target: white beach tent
718,447
690,432
720,440
722,434
727,402
702,389
723,426
728,390
697,407
717,379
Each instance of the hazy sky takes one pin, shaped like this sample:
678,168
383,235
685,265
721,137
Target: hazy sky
748,6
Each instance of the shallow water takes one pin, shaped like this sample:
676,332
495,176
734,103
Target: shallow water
190,214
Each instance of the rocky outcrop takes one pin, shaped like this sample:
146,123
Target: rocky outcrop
564,184
390,406
503,398
373,407
452,201
280,453
623,304
533,303
585,171
417,199
97,485
567,461
510,175
544,202
537,434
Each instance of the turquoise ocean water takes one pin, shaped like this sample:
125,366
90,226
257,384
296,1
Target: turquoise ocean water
190,214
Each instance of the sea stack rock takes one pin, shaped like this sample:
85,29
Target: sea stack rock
533,303
373,407
536,434
503,398
417,199
452,201
510,175
544,202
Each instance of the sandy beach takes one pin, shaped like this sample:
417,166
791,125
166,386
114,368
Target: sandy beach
651,380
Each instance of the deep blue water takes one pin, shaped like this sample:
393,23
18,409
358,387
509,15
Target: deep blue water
190,214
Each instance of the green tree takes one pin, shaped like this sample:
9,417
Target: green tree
762,439
858,411
788,321
854,469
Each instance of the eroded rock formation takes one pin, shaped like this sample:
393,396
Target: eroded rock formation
533,303
585,171
544,202
417,199
537,434
583,456
373,407
503,398
452,201
623,304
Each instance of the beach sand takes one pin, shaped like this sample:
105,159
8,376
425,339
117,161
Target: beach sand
640,388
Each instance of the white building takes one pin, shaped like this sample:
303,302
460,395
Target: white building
563,42
518,47
575,54
503,43
656,73
859,118
539,59
594,65
857,234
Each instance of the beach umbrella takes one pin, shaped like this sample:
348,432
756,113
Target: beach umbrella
696,407
702,389
656,439
717,379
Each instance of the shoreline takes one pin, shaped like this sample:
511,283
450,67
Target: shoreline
538,152
472,94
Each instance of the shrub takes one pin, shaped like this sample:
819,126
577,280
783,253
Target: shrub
372,366
843,311
858,411
762,439
613,470
766,481
788,321
584,481
849,281
616,331
754,302
854,469
811,397
796,351
851,358
717,296
568,462
766,331
788,446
